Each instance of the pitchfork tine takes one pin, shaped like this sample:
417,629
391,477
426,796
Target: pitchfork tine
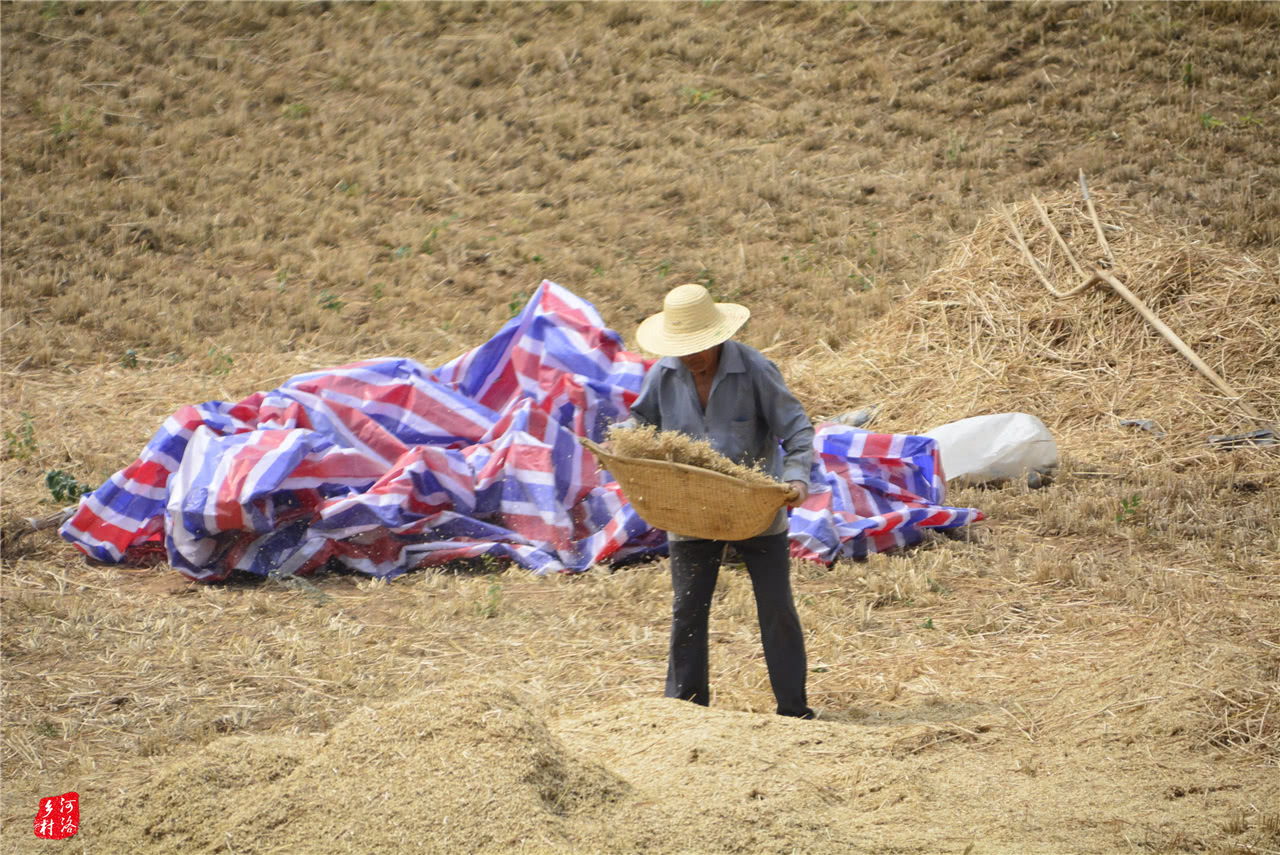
1035,265
1093,214
1057,236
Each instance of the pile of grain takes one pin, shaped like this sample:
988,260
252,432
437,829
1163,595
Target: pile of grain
649,443
185,807
458,768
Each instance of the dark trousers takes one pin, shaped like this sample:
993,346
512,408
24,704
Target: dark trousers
695,565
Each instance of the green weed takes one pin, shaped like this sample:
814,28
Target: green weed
492,602
296,111
130,359
1208,122
1128,508
400,252
517,302
330,301
21,444
800,261
64,488
222,361
71,123
698,96
428,245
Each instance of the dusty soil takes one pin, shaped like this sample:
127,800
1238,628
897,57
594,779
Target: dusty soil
200,200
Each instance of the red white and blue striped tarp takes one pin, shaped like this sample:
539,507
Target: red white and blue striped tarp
384,466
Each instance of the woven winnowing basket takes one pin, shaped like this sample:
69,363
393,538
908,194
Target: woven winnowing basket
691,501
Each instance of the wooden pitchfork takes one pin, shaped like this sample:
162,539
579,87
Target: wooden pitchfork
1097,275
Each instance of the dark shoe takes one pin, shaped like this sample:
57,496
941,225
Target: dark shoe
806,713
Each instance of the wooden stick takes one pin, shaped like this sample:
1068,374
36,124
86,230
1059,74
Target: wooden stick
1093,214
1169,334
1044,216
1177,342
33,524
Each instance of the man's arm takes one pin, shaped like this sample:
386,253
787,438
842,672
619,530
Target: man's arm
788,422
645,409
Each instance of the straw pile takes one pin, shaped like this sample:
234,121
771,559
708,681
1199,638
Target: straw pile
462,768
394,779
184,809
649,443
984,335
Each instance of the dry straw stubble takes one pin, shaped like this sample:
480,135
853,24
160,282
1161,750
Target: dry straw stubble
198,183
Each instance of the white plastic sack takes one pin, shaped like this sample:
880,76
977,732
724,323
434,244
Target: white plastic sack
995,447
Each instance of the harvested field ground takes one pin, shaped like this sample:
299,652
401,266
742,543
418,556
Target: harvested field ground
200,200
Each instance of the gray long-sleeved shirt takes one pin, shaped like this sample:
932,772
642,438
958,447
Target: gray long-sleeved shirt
750,409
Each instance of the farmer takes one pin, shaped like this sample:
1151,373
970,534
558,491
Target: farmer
728,393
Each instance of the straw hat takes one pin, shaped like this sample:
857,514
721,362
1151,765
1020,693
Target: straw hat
690,321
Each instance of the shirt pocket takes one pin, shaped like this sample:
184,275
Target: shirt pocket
740,438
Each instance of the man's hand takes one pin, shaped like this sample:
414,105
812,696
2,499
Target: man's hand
802,490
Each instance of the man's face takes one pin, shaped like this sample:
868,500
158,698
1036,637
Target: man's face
704,361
